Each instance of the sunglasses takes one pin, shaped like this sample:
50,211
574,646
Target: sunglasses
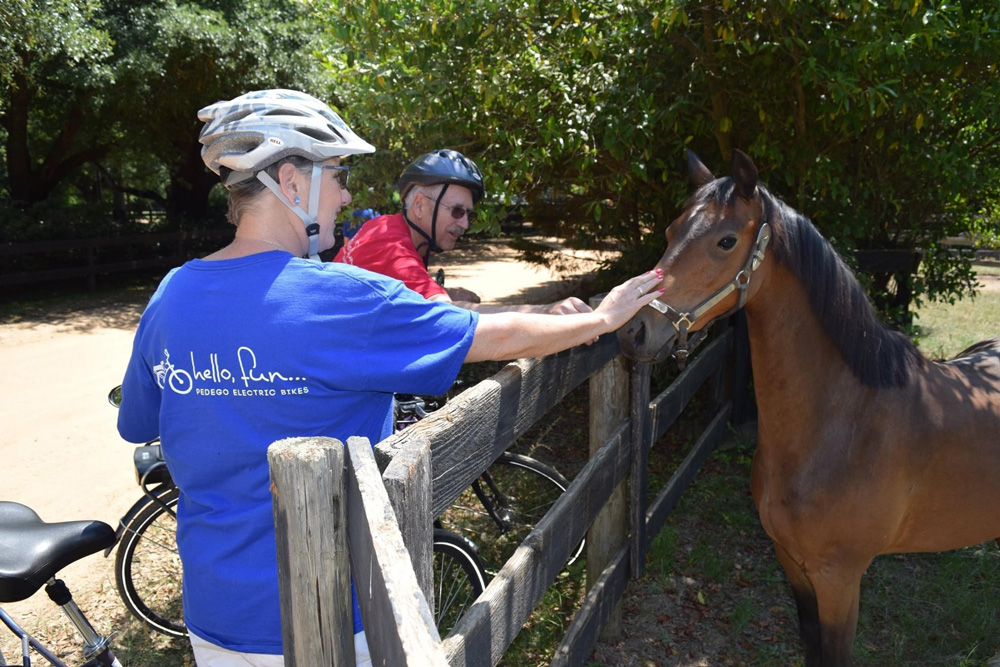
457,212
343,173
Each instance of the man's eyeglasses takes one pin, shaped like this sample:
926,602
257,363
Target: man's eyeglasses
458,211
343,173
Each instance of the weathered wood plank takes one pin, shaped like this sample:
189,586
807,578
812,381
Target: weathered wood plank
609,406
407,479
314,586
669,404
475,427
686,471
398,621
489,627
598,608
641,444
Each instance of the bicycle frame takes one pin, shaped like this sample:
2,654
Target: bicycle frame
96,648
28,642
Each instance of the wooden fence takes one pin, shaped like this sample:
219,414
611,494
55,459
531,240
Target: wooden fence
426,466
89,258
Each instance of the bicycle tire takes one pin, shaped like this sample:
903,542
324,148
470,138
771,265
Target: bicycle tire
459,578
149,576
527,489
148,569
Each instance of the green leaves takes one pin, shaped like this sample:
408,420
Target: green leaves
49,38
859,114
878,120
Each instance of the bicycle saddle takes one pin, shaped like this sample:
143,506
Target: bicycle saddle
32,551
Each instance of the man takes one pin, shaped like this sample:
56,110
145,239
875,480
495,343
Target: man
439,191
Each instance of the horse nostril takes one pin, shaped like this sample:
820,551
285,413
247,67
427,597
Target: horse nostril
639,337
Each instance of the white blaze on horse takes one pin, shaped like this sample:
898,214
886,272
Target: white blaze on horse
865,447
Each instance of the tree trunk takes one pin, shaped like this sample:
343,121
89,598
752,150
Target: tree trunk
30,184
190,184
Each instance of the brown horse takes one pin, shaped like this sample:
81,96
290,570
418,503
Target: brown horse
864,446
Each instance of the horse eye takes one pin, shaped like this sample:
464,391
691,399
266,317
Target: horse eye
728,243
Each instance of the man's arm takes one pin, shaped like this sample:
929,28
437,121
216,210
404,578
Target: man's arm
569,306
513,335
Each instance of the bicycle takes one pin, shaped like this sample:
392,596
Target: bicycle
498,510
148,571
32,552
512,495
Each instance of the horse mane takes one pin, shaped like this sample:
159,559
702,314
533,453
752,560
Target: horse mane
877,355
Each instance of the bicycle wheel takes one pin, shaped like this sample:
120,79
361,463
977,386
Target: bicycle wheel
459,578
500,508
148,569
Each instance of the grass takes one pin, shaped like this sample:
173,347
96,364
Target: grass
942,330
916,609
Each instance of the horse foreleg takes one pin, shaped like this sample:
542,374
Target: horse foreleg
838,591
805,603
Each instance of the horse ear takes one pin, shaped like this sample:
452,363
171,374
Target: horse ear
744,174
700,175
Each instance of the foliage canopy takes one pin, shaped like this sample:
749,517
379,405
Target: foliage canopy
878,120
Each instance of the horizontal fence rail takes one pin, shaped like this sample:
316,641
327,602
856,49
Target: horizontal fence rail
87,261
426,466
473,429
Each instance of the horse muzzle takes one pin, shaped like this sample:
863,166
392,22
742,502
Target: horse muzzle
646,338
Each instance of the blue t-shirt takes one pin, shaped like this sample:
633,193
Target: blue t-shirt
233,355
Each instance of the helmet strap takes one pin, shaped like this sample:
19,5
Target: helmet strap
430,244
308,218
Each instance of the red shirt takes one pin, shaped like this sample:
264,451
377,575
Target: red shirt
384,245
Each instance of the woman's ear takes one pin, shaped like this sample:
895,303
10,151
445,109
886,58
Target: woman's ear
291,182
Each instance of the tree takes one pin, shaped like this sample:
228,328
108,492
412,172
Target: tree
879,121
181,57
54,61
109,90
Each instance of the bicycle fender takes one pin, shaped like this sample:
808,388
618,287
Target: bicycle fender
137,507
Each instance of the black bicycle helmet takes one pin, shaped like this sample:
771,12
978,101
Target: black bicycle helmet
443,166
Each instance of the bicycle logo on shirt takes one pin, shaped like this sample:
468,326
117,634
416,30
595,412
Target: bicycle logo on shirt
215,379
168,375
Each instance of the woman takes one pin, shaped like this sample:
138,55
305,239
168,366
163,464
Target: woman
253,344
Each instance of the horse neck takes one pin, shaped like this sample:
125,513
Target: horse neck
796,366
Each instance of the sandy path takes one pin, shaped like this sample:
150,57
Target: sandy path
60,452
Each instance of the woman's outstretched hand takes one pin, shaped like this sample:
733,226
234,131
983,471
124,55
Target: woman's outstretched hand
626,299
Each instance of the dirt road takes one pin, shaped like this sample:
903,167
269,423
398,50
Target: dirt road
60,450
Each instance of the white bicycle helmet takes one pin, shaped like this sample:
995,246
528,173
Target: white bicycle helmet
245,135
257,129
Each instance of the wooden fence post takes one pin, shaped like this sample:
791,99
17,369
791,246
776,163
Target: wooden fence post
641,436
307,488
744,408
609,406
407,479
398,622
91,262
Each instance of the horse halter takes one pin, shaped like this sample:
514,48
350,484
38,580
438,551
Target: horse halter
683,322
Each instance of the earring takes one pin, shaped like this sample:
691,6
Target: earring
297,200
